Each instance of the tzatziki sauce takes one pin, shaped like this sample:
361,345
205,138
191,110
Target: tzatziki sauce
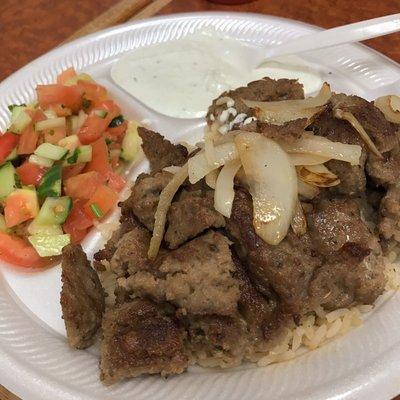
181,78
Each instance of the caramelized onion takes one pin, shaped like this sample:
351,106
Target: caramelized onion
299,222
307,159
317,175
349,117
164,203
306,190
199,167
390,107
272,183
211,178
224,193
323,147
279,112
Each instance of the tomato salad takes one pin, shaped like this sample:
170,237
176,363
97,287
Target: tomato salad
60,168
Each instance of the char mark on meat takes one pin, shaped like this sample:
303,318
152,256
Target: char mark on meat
161,152
82,298
140,339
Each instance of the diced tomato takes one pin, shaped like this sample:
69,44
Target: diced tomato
68,96
66,75
21,205
53,136
103,199
30,174
100,161
73,170
83,186
92,129
92,91
77,223
115,181
36,115
95,125
60,110
117,132
8,141
15,250
28,140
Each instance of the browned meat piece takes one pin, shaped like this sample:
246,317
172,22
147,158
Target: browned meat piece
217,341
384,171
265,89
286,268
389,223
333,223
348,278
139,339
82,297
197,277
144,198
160,151
191,215
352,177
111,246
262,314
131,253
381,131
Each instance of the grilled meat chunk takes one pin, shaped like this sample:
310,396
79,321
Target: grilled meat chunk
161,152
140,339
285,269
389,221
333,223
265,89
191,215
144,198
82,298
196,278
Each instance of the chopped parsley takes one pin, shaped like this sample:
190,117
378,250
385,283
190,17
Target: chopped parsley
117,121
96,210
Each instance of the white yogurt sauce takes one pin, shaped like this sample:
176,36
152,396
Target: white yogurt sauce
181,78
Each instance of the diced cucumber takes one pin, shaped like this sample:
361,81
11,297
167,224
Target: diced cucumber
80,77
50,186
81,154
42,161
49,113
19,119
101,113
13,155
54,210
131,142
35,228
51,123
51,151
69,142
49,245
3,227
7,179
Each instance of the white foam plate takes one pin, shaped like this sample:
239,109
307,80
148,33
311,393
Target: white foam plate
35,361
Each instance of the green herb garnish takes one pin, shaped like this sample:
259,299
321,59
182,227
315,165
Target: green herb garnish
96,210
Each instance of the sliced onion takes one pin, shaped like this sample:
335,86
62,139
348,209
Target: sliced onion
323,147
272,183
189,147
306,190
349,117
279,112
172,169
224,193
317,175
164,203
390,107
199,167
307,159
210,135
299,222
211,178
